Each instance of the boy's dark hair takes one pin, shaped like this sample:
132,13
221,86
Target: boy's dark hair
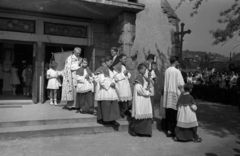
53,64
108,58
121,56
85,59
187,87
173,59
114,49
150,57
141,66
102,60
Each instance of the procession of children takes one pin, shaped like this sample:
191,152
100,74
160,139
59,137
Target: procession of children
108,89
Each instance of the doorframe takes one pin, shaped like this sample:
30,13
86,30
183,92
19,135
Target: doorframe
23,42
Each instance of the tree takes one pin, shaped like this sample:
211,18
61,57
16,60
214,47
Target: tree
229,17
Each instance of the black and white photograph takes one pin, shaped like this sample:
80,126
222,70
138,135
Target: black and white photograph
119,77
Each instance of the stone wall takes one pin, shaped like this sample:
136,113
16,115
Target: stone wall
122,32
122,35
101,41
153,36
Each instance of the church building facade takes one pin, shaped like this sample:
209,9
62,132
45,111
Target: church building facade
31,30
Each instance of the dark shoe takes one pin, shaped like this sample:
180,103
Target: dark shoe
115,123
94,112
122,115
197,140
101,122
175,139
70,109
82,111
133,133
169,134
127,113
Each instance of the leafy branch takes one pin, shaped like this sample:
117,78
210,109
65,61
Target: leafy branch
229,17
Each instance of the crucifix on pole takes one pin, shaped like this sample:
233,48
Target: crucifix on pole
181,34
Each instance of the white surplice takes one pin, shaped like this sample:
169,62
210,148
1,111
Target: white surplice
106,92
84,85
122,85
173,80
142,107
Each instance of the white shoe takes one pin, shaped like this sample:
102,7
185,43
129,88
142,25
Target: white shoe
55,103
51,102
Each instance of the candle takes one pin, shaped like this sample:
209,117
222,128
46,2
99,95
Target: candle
155,58
150,66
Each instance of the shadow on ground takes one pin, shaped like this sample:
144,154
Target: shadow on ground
219,120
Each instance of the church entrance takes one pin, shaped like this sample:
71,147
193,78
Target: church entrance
18,54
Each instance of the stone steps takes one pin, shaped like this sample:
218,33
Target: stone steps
7,133
47,122
84,124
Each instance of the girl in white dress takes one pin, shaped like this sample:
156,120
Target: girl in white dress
186,129
53,83
14,78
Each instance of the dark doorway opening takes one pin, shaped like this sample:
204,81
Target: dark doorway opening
21,54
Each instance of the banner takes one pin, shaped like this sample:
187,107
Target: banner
60,59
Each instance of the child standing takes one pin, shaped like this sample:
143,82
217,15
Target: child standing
186,129
142,107
53,83
84,89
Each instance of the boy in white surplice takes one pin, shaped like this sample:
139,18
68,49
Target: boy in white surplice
142,107
85,89
108,107
121,77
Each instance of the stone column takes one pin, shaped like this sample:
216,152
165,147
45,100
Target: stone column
122,31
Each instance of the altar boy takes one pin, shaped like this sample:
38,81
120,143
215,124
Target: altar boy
108,108
121,77
142,107
85,89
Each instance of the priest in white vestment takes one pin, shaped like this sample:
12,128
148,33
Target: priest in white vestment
173,86
72,63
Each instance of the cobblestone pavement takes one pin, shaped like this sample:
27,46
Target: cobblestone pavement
219,128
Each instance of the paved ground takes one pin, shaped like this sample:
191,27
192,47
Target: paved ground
220,130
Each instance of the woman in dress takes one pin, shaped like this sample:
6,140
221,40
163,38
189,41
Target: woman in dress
14,78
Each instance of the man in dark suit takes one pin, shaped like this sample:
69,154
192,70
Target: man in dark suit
115,57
